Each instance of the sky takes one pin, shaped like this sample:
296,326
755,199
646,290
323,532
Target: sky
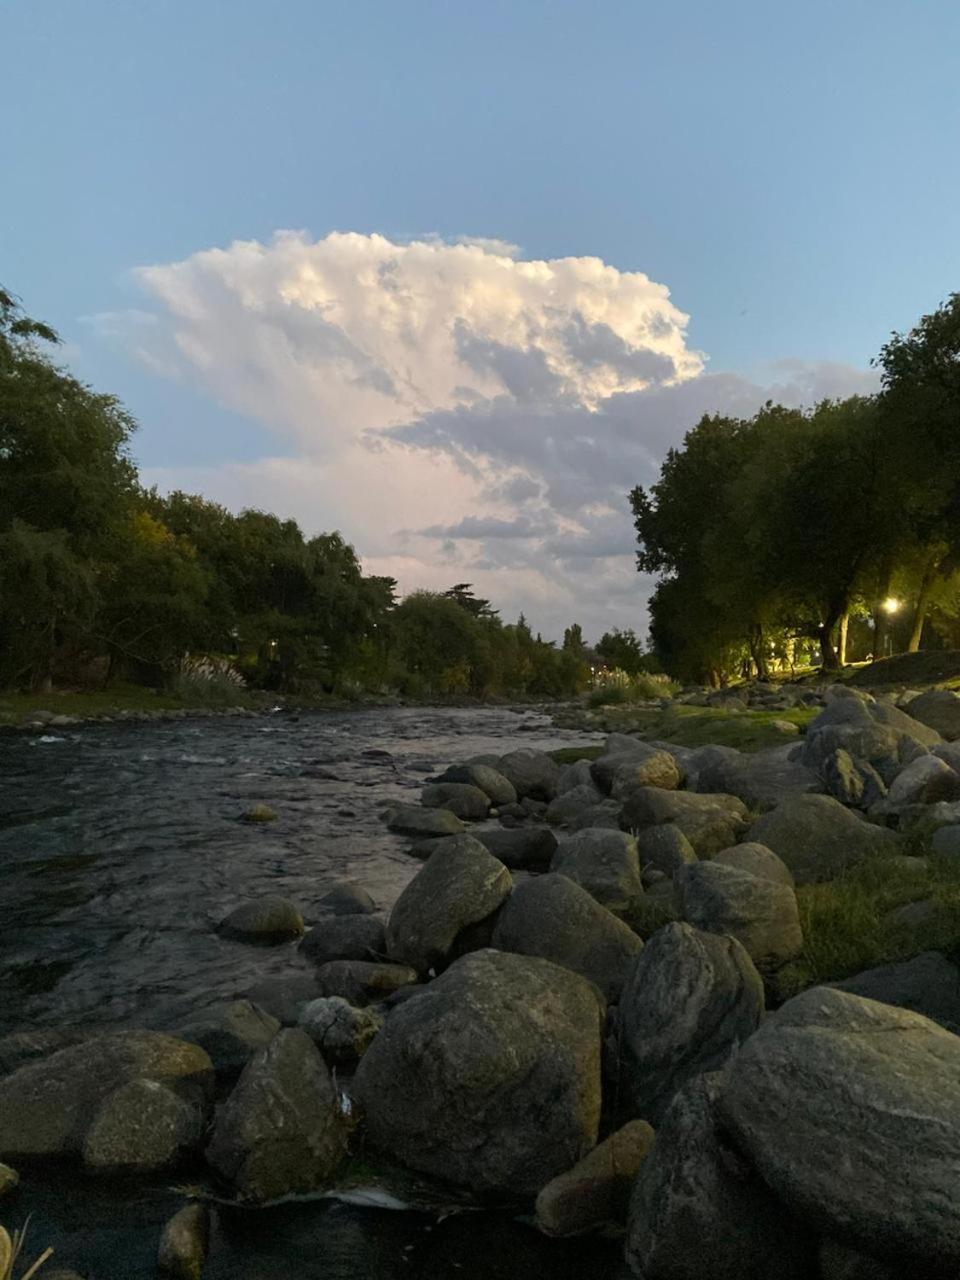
451,278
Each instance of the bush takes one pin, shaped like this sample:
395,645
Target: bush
618,689
207,682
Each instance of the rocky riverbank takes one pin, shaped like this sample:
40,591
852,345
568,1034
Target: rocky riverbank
573,1011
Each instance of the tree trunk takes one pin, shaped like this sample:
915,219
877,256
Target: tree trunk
923,603
842,638
828,653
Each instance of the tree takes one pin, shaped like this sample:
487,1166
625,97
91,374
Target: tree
621,650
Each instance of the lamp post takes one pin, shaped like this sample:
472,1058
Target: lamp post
890,607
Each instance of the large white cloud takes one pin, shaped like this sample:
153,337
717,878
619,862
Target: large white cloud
457,411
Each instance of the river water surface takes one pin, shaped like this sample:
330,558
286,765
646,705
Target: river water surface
122,845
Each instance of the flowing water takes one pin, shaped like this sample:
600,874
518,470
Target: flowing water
122,845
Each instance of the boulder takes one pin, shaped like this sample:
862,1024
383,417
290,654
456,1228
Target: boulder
604,863
283,995
928,984
761,779
340,1031
361,982
532,774
710,822
259,813
818,838
852,782
850,1112
938,709
926,780
47,1106
9,1180
21,1047
424,824
490,1079
756,859
460,798
573,775
596,1191
838,1262
946,841
948,751
553,918
459,885
346,938
605,814
231,1034
184,1242
709,759
640,764
524,848
571,804
346,899
268,919
664,849
690,999
760,913
498,789
281,1132
143,1127
698,1210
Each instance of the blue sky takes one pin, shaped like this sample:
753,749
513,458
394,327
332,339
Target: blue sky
788,172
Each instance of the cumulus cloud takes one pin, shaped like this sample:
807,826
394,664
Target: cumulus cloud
458,411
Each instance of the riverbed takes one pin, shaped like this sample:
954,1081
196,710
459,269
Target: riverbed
121,846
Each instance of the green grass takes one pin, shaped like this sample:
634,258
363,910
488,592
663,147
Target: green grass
845,928
915,670
570,755
699,726
15,708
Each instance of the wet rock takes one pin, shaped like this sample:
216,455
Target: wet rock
459,885
269,919
47,1106
9,1180
938,709
638,764
341,1031
260,813
690,999
574,775
818,838
283,996
838,1262
928,984
698,1210
184,1242
710,822
571,804
761,779
281,1132
144,1127
604,863
346,900
760,913
231,1034
596,1191
532,773
526,848
362,982
498,789
664,849
460,798
345,938
605,814
21,1047
553,918
510,1046
831,1094
853,782
756,859
425,824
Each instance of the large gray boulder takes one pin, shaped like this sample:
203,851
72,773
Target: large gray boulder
756,859
498,789
876,732
640,765
340,1031
491,1078
929,984
281,1132
346,938
567,807
267,919
850,1111
663,849
346,899
47,1106
605,863
596,1191
818,838
553,918
760,913
605,814
710,822
143,1127
460,798
231,1034
925,780
361,982
761,779
698,1210
853,782
532,773
574,775
184,1242
460,885
423,824
522,848
690,999
938,709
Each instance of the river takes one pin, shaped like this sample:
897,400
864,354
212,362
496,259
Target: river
122,845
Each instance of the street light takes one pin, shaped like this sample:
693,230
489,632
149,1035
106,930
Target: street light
891,605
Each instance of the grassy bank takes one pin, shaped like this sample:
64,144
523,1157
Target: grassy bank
20,708
696,726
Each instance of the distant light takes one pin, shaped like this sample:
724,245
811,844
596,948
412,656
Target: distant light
891,604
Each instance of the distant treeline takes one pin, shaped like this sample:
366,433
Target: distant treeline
100,579
831,533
